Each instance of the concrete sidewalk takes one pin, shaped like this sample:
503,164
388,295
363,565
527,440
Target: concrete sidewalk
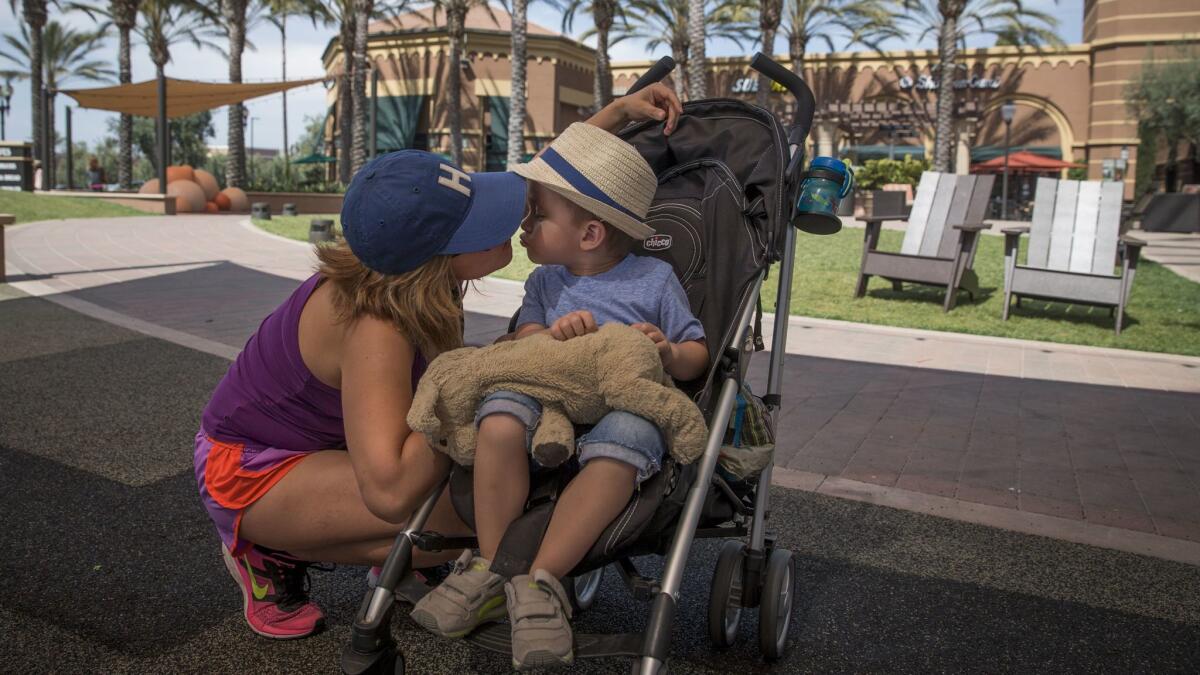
1086,444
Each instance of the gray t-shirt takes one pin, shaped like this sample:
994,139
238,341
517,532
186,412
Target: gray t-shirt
638,290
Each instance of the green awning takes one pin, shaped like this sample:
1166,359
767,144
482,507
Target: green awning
983,153
316,158
864,152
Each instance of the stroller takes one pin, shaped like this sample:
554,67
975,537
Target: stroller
728,182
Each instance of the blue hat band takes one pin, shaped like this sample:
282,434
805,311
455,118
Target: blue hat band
580,182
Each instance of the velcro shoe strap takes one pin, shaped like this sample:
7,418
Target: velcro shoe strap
535,610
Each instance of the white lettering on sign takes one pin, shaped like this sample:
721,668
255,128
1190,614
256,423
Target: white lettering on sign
10,177
6,152
749,85
11,188
11,166
928,82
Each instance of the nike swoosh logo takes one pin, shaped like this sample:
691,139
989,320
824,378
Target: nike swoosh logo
260,592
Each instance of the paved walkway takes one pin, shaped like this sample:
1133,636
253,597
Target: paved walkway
1086,444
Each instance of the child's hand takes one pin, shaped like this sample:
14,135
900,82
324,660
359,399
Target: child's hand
575,324
666,350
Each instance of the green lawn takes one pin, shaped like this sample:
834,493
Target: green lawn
1163,314
295,227
28,207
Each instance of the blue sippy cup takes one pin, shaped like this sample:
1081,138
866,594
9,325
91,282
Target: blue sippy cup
822,188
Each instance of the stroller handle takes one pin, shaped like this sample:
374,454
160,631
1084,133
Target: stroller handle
657,72
806,105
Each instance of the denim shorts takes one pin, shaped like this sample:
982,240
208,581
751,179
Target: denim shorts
618,435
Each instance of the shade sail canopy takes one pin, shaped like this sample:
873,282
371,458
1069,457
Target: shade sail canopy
1023,161
184,97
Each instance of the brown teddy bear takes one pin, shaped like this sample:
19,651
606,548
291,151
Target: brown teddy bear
577,381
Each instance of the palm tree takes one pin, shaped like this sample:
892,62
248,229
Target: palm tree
123,14
278,12
456,19
604,14
35,13
66,55
867,22
769,15
341,13
697,63
953,21
165,23
667,23
358,83
233,14
516,98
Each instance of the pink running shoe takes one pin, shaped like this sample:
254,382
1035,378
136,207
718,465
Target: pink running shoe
274,594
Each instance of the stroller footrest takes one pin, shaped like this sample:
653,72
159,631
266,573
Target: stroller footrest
497,637
642,588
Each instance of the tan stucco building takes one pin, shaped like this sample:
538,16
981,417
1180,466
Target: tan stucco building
1070,101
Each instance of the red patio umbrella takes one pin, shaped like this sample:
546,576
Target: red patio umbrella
1024,161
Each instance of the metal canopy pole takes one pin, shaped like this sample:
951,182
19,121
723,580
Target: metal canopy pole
70,159
164,133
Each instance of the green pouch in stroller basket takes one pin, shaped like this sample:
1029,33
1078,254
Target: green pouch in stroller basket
750,440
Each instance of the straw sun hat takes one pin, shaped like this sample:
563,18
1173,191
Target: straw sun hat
599,172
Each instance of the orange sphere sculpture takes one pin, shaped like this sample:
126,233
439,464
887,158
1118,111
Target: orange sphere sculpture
149,187
189,197
183,172
238,201
211,207
222,201
207,181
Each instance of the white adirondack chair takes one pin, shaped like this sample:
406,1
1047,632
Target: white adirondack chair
1073,247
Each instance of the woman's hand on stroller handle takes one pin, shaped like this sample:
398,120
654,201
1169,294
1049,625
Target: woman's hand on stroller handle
655,102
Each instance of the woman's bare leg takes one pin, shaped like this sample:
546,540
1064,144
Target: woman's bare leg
588,505
501,476
317,509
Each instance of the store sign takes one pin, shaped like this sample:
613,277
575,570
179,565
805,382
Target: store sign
928,82
749,85
16,167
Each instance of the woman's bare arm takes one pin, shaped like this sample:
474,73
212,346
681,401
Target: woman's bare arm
395,467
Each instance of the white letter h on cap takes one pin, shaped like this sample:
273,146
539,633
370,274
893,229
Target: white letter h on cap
455,180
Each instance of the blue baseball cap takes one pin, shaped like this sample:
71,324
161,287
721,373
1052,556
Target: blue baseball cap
405,207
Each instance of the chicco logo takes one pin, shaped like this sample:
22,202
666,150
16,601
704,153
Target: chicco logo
658,242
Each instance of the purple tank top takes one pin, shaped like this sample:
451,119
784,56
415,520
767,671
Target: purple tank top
269,398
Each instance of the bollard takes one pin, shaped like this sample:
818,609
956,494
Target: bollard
289,209
260,210
320,229
5,219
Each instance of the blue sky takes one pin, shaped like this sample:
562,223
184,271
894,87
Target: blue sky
305,44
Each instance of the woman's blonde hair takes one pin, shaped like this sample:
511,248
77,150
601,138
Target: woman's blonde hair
423,304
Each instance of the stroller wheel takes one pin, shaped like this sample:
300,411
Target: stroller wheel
725,596
775,613
584,588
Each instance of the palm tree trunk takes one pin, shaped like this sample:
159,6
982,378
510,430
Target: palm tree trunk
943,149
516,99
125,135
287,163
602,18
455,18
35,16
235,161
345,100
768,23
358,87
697,86
680,54
50,173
